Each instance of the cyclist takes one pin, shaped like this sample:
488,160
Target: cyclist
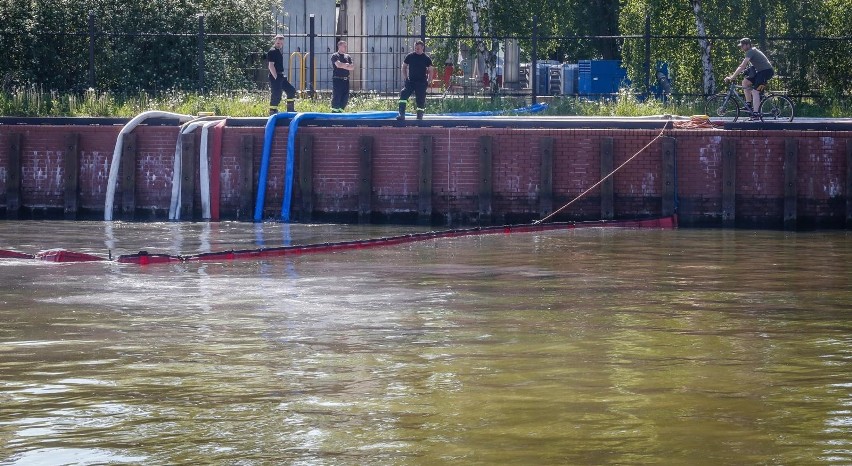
753,85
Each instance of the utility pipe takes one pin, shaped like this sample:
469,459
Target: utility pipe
216,170
177,172
115,165
268,135
291,147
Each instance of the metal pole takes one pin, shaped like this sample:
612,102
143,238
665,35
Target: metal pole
92,49
311,37
201,54
647,54
423,28
533,66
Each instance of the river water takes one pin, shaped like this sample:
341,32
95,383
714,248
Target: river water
592,346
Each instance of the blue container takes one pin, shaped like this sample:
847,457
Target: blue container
600,76
543,78
563,79
542,68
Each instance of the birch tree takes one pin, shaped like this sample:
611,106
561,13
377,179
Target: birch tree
708,80
485,58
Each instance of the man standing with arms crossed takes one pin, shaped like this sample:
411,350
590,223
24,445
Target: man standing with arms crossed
341,65
278,83
416,69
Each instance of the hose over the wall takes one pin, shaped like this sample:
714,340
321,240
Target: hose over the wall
115,165
291,152
291,149
177,172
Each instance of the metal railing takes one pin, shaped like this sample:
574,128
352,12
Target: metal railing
202,61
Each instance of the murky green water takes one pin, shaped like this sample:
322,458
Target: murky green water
585,347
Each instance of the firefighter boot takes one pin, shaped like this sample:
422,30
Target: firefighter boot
401,115
419,114
291,105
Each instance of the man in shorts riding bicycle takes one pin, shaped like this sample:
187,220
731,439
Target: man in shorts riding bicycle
753,85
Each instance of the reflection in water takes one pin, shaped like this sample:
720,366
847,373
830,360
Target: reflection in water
584,347
204,238
109,236
79,456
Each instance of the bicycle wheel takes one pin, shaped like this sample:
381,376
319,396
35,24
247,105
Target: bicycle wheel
722,106
777,108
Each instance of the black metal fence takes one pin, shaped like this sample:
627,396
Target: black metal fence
200,61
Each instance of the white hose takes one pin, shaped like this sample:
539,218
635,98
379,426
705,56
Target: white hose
204,170
177,173
114,167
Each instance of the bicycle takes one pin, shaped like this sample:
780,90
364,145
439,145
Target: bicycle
730,104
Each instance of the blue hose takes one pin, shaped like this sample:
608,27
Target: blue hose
291,153
268,134
530,109
291,146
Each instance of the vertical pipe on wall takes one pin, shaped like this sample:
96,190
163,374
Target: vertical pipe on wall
849,183
791,160
216,171
128,177
729,182
306,176
608,185
247,185
71,169
669,149
424,203
365,178
486,182
545,195
13,177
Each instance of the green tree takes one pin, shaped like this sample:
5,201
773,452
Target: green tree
151,46
784,30
483,23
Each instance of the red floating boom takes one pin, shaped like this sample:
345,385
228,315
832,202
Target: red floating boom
61,255
265,253
144,258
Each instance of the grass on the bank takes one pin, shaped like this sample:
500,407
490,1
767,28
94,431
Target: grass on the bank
32,102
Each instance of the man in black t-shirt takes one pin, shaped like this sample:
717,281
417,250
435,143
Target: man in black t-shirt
341,65
278,83
416,69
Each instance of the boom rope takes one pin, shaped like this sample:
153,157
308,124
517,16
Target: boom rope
580,196
698,122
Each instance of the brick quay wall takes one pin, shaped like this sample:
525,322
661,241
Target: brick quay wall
451,174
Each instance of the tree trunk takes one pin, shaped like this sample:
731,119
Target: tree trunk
708,81
483,57
340,28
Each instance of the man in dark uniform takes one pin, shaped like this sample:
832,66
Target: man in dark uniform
278,83
341,65
416,69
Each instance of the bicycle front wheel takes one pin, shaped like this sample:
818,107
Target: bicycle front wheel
722,106
776,107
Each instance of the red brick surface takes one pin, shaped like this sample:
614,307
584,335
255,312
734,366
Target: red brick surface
821,167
